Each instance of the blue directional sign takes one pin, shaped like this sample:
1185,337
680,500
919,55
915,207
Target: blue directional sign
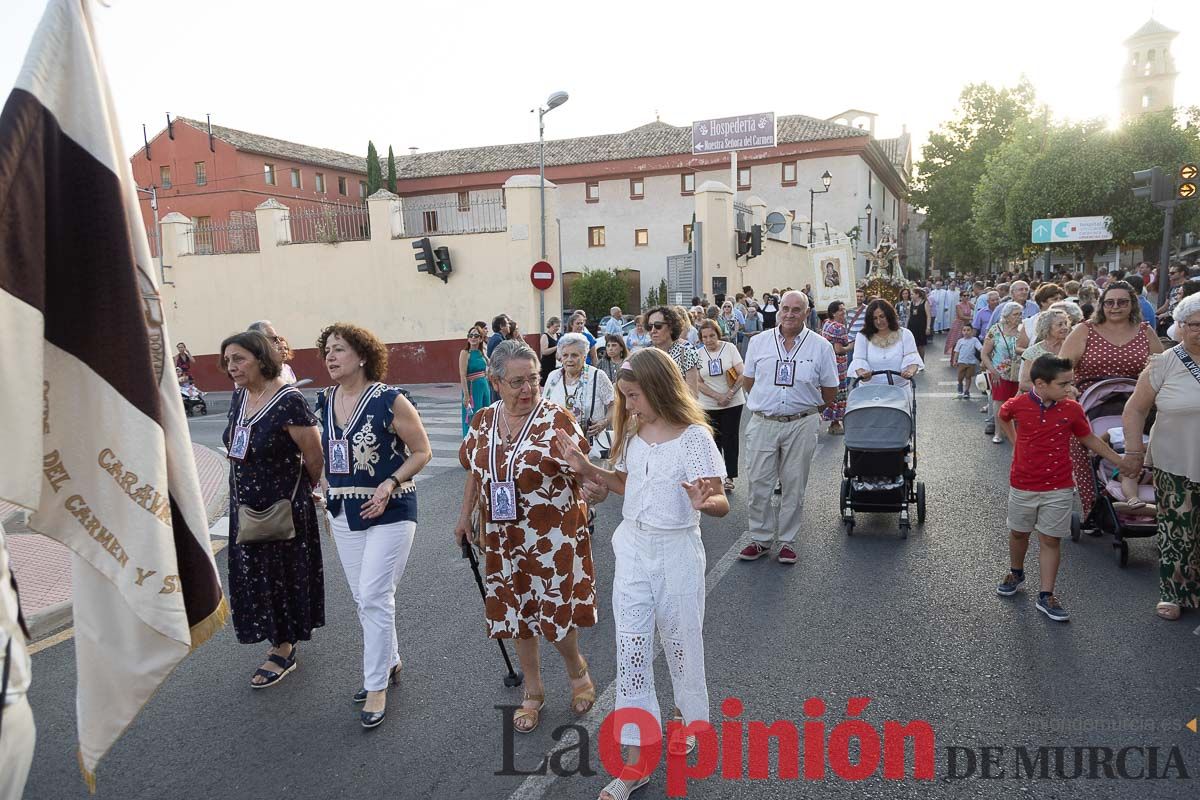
1041,231
1071,229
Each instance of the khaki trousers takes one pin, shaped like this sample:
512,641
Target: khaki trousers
778,451
16,748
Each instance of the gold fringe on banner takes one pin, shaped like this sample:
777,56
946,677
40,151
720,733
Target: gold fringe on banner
203,630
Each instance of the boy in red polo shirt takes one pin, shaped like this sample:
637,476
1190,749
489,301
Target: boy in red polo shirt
1041,493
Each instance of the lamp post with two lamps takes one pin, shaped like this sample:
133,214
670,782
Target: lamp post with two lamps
812,193
554,101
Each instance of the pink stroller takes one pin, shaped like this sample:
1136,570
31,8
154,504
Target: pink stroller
1104,401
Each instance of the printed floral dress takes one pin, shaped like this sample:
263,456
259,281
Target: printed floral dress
276,589
538,577
837,333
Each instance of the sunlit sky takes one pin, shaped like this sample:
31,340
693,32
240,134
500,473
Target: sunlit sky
444,75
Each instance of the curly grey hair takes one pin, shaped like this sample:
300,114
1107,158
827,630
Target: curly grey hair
1047,319
506,351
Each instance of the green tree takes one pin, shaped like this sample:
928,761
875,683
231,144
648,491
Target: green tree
662,292
998,234
1148,141
955,159
598,290
391,180
374,178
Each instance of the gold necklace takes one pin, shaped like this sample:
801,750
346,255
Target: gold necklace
345,404
508,435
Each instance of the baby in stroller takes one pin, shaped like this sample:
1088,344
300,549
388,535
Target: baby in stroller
1131,497
193,398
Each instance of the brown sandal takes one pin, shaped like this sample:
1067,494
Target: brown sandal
533,715
587,696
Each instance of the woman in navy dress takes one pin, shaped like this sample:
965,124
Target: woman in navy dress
276,589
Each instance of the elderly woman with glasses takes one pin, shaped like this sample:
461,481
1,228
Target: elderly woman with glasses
472,376
585,391
537,552
1114,343
666,333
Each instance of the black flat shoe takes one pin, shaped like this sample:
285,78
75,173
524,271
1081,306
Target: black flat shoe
372,719
361,695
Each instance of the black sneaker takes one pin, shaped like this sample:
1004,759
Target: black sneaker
989,429
1053,609
1009,587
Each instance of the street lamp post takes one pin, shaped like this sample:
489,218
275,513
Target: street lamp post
554,101
812,193
868,219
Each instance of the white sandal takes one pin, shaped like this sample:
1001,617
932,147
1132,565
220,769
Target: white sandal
620,790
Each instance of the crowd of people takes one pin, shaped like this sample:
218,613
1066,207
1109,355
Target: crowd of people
652,409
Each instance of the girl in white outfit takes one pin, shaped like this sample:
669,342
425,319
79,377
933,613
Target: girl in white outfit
667,466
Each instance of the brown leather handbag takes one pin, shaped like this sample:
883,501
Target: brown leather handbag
273,524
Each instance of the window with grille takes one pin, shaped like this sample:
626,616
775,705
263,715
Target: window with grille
296,182
319,181
201,173
596,236
164,177
429,221
269,174
342,184
464,201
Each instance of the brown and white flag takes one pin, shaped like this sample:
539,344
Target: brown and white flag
91,422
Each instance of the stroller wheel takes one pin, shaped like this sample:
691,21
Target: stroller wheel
844,496
849,523
1122,548
920,502
1076,527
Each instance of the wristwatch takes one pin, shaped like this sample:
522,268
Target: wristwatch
394,480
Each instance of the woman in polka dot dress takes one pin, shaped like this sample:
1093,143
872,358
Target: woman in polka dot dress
1115,343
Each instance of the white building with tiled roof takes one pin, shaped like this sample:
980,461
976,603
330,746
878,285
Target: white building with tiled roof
625,200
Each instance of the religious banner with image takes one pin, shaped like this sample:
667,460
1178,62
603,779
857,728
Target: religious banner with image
832,274
96,439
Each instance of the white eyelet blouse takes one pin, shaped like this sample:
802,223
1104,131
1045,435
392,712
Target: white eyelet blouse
653,494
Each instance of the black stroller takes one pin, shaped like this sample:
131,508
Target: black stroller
194,401
880,465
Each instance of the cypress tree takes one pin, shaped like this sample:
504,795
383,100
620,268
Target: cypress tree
374,177
391,183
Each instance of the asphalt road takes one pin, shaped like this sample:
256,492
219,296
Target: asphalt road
914,625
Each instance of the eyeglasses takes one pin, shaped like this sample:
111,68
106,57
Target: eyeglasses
1194,327
474,336
520,383
1114,303
658,326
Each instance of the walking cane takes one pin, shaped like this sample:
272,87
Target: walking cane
514,677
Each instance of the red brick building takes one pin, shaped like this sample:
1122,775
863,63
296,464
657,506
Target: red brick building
220,178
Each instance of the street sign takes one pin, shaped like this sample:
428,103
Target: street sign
1187,190
1071,229
542,275
733,133
1188,171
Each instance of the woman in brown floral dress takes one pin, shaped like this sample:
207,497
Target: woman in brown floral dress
536,546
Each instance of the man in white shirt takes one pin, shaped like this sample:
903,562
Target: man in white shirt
790,375
17,732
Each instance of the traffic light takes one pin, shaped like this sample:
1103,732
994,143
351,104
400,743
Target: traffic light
1151,184
755,241
424,256
1188,182
743,243
441,257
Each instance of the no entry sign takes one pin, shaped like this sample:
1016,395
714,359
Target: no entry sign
542,275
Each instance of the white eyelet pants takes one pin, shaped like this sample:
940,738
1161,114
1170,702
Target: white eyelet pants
374,561
659,582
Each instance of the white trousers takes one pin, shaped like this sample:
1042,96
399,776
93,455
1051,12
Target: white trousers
778,451
659,582
17,735
374,562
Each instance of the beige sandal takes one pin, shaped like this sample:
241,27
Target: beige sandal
1168,611
533,715
587,696
618,789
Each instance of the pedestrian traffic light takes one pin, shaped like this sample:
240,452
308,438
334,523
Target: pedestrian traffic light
441,259
424,256
1151,184
743,243
755,241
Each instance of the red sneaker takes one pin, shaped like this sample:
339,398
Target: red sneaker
786,555
752,551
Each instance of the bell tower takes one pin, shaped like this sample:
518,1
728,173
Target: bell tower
1148,79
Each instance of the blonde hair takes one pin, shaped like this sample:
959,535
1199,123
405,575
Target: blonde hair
685,320
669,397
